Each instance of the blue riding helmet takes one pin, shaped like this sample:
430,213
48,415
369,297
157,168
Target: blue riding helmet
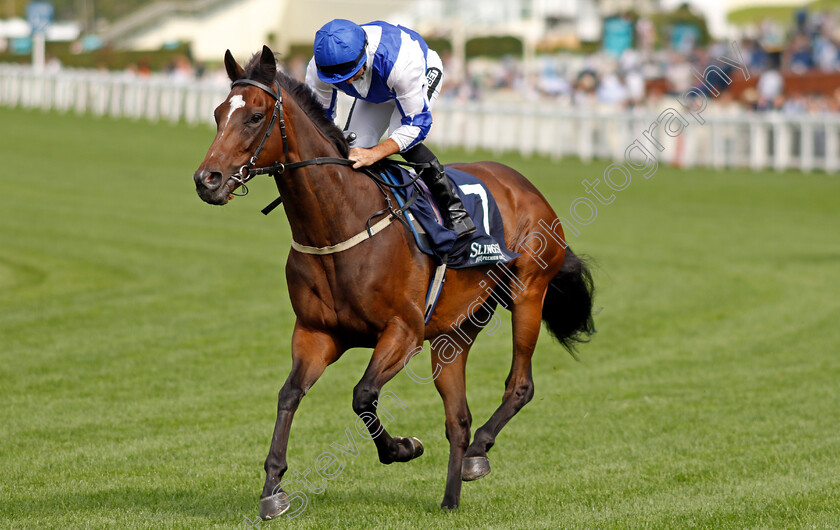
339,50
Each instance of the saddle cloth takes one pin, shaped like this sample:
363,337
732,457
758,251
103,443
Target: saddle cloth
486,246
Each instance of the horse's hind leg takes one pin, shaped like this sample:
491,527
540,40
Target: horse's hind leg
312,352
519,386
397,340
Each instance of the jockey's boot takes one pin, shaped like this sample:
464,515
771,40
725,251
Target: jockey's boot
447,199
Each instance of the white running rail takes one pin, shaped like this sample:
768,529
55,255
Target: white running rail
734,139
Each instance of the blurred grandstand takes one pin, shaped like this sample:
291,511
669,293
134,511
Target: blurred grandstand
794,66
584,73
586,54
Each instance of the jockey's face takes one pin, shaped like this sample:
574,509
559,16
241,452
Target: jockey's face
358,75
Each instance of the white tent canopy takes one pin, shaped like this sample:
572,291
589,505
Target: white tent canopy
14,28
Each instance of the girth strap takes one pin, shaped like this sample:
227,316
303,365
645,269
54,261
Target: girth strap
350,243
370,231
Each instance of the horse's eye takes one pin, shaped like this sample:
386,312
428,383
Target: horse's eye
256,118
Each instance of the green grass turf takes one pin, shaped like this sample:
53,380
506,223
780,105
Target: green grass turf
144,336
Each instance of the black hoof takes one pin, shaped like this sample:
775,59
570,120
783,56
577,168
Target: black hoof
414,445
474,467
274,506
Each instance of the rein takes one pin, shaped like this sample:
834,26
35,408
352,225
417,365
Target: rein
276,170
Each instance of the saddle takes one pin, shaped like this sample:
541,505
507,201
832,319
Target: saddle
485,246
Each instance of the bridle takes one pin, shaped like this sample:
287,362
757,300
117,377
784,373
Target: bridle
248,171
276,170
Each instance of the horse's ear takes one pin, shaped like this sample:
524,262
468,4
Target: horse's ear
234,71
268,66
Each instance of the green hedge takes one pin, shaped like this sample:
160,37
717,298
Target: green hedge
74,9
494,46
439,44
682,15
783,14
106,57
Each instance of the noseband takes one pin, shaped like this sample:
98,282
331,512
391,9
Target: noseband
248,171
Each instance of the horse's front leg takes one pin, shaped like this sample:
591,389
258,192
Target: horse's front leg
312,352
451,385
395,342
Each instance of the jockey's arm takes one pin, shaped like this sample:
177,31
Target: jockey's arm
366,157
408,81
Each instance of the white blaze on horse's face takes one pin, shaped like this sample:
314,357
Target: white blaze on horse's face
235,102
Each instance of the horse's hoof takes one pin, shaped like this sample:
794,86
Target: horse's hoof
449,506
474,467
274,506
414,444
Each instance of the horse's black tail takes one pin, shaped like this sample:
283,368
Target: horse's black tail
567,309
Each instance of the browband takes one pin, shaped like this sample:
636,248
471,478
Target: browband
275,95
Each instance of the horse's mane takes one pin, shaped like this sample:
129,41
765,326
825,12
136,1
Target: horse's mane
306,100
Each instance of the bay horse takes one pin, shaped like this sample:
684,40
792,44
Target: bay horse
371,295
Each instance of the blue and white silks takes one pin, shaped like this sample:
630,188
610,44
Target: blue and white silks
397,61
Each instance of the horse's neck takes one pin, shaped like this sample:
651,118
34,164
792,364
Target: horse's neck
325,204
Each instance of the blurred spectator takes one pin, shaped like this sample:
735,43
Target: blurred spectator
646,34
180,69
826,54
755,55
635,83
611,91
678,74
801,55
769,87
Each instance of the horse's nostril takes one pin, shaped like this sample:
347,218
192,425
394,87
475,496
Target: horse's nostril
211,180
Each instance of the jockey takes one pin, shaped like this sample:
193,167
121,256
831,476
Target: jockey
395,79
